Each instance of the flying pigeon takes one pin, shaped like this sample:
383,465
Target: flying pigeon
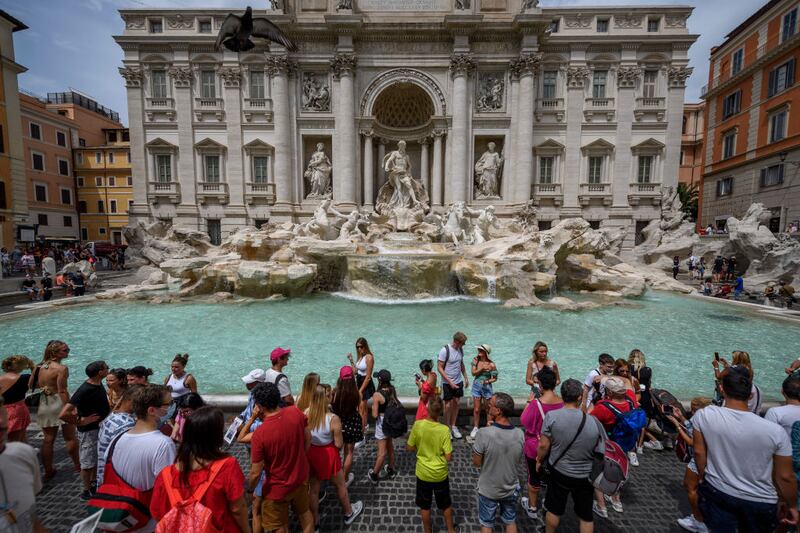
236,32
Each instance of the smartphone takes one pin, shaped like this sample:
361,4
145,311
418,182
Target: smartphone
716,356
418,377
667,409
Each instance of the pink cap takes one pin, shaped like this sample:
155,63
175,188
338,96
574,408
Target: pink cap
279,352
346,372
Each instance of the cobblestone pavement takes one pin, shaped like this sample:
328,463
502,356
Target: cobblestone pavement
652,499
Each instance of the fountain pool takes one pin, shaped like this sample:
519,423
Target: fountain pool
678,335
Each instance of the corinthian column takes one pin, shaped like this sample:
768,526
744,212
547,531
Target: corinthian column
344,152
278,68
436,179
369,170
527,65
461,66
424,164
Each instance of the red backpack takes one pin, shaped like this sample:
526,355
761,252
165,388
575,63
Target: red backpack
189,514
124,507
610,471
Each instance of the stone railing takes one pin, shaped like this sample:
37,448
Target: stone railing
644,191
602,107
212,190
160,103
208,104
650,102
547,191
257,106
256,192
589,191
166,190
552,106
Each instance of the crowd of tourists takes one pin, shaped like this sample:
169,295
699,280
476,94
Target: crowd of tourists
153,456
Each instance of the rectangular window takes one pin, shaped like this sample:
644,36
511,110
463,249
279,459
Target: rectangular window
98,157
212,168
156,26
214,231
128,155
681,162
67,221
80,182
158,83
40,193
112,181
789,24
101,207
772,175
130,181
545,225
112,206
554,25
112,136
260,169
596,169
208,84
652,24
732,104
729,145
164,168
37,161
101,231
599,83
546,169
3,199
257,84
84,234
594,224
82,206
549,78
130,205
98,181
61,138
260,222
649,83
79,158
63,167
110,157
41,219
645,169
737,61
81,141
66,196
36,131
777,126
2,141
205,26
725,187
781,78
602,25
126,137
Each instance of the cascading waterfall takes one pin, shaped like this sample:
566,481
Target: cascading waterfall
491,286
553,288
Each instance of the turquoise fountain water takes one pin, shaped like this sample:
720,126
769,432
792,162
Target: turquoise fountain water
677,334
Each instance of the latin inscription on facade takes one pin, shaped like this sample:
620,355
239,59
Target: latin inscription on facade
404,5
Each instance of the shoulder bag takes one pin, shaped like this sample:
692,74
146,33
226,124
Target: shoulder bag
547,467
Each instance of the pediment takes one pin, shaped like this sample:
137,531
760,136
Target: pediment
158,142
649,144
258,145
550,144
600,145
209,144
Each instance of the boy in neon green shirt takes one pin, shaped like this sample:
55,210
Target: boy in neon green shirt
431,441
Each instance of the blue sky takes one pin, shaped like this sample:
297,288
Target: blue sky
69,42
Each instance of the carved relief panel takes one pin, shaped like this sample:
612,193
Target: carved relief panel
315,91
490,92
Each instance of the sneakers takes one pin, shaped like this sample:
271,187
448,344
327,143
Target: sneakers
532,512
360,443
654,445
599,511
473,433
373,477
355,509
616,505
350,477
632,458
639,450
668,445
690,523
389,473
455,432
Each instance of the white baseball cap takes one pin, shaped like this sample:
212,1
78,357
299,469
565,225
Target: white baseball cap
255,375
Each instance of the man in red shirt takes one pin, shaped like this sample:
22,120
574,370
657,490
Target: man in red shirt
615,395
279,447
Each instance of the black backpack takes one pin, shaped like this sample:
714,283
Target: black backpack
395,423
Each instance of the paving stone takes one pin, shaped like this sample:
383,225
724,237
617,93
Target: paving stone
653,498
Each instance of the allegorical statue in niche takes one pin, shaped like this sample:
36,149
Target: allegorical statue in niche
490,96
344,4
316,95
235,32
318,174
488,171
398,165
462,4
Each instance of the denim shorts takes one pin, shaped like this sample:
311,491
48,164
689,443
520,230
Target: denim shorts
479,390
488,509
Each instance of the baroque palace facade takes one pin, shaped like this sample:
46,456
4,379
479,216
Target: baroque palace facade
584,107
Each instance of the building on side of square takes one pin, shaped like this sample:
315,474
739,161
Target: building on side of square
583,105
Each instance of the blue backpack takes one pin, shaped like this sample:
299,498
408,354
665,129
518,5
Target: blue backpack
628,426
